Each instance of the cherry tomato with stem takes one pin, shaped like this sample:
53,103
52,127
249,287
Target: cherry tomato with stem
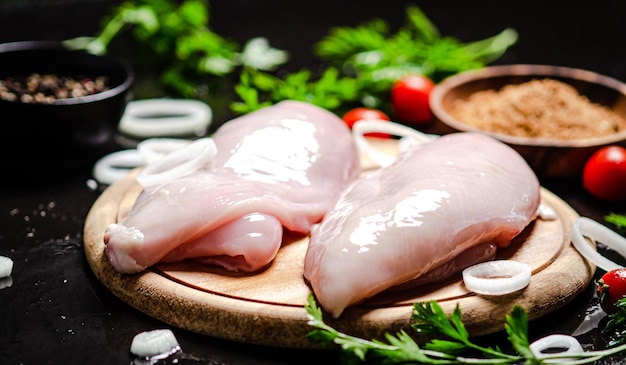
611,288
604,173
361,113
410,99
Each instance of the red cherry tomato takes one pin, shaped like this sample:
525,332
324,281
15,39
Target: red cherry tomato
611,288
356,114
409,99
604,174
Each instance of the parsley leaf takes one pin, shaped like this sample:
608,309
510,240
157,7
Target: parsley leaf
517,329
615,327
430,319
258,89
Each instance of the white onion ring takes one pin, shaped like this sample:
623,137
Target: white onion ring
586,227
179,163
154,149
177,117
410,137
116,165
497,277
568,343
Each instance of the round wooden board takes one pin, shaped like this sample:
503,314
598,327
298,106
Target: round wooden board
267,308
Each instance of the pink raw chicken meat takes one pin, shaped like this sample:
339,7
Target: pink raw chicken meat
440,207
281,166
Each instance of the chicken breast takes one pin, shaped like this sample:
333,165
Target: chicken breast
460,193
283,166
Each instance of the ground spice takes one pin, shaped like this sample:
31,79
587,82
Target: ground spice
540,108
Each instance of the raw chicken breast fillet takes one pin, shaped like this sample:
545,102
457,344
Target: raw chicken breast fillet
458,194
283,166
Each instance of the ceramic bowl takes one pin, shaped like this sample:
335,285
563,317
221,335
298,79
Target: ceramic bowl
59,133
549,157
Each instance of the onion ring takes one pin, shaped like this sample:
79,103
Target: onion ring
153,154
179,163
586,227
116,165
154,149
165,117
497,277
568,344
410,137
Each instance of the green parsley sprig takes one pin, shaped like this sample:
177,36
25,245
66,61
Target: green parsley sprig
357,65
368,59
450,341
615,327
370,51
189,54
329,91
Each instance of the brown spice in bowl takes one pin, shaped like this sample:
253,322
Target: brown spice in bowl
540,108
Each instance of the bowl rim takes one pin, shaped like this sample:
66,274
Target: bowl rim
451,82
37,45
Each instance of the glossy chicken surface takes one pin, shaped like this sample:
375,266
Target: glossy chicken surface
455,198
282,167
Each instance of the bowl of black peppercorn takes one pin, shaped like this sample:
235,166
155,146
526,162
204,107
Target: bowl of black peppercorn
60,108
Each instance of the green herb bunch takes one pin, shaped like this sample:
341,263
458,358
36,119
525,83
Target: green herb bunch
177,33
361,63
377,58
357,65
450,341
615,327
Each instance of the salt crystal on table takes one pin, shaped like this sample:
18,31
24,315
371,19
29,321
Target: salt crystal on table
6,266
154,343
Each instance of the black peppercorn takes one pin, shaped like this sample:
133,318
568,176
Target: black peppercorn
37,88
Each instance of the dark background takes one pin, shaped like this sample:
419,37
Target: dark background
56,312
577,34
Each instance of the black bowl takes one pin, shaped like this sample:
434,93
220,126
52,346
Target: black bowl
64,133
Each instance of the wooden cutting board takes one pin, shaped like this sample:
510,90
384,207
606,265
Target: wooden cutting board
267,308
